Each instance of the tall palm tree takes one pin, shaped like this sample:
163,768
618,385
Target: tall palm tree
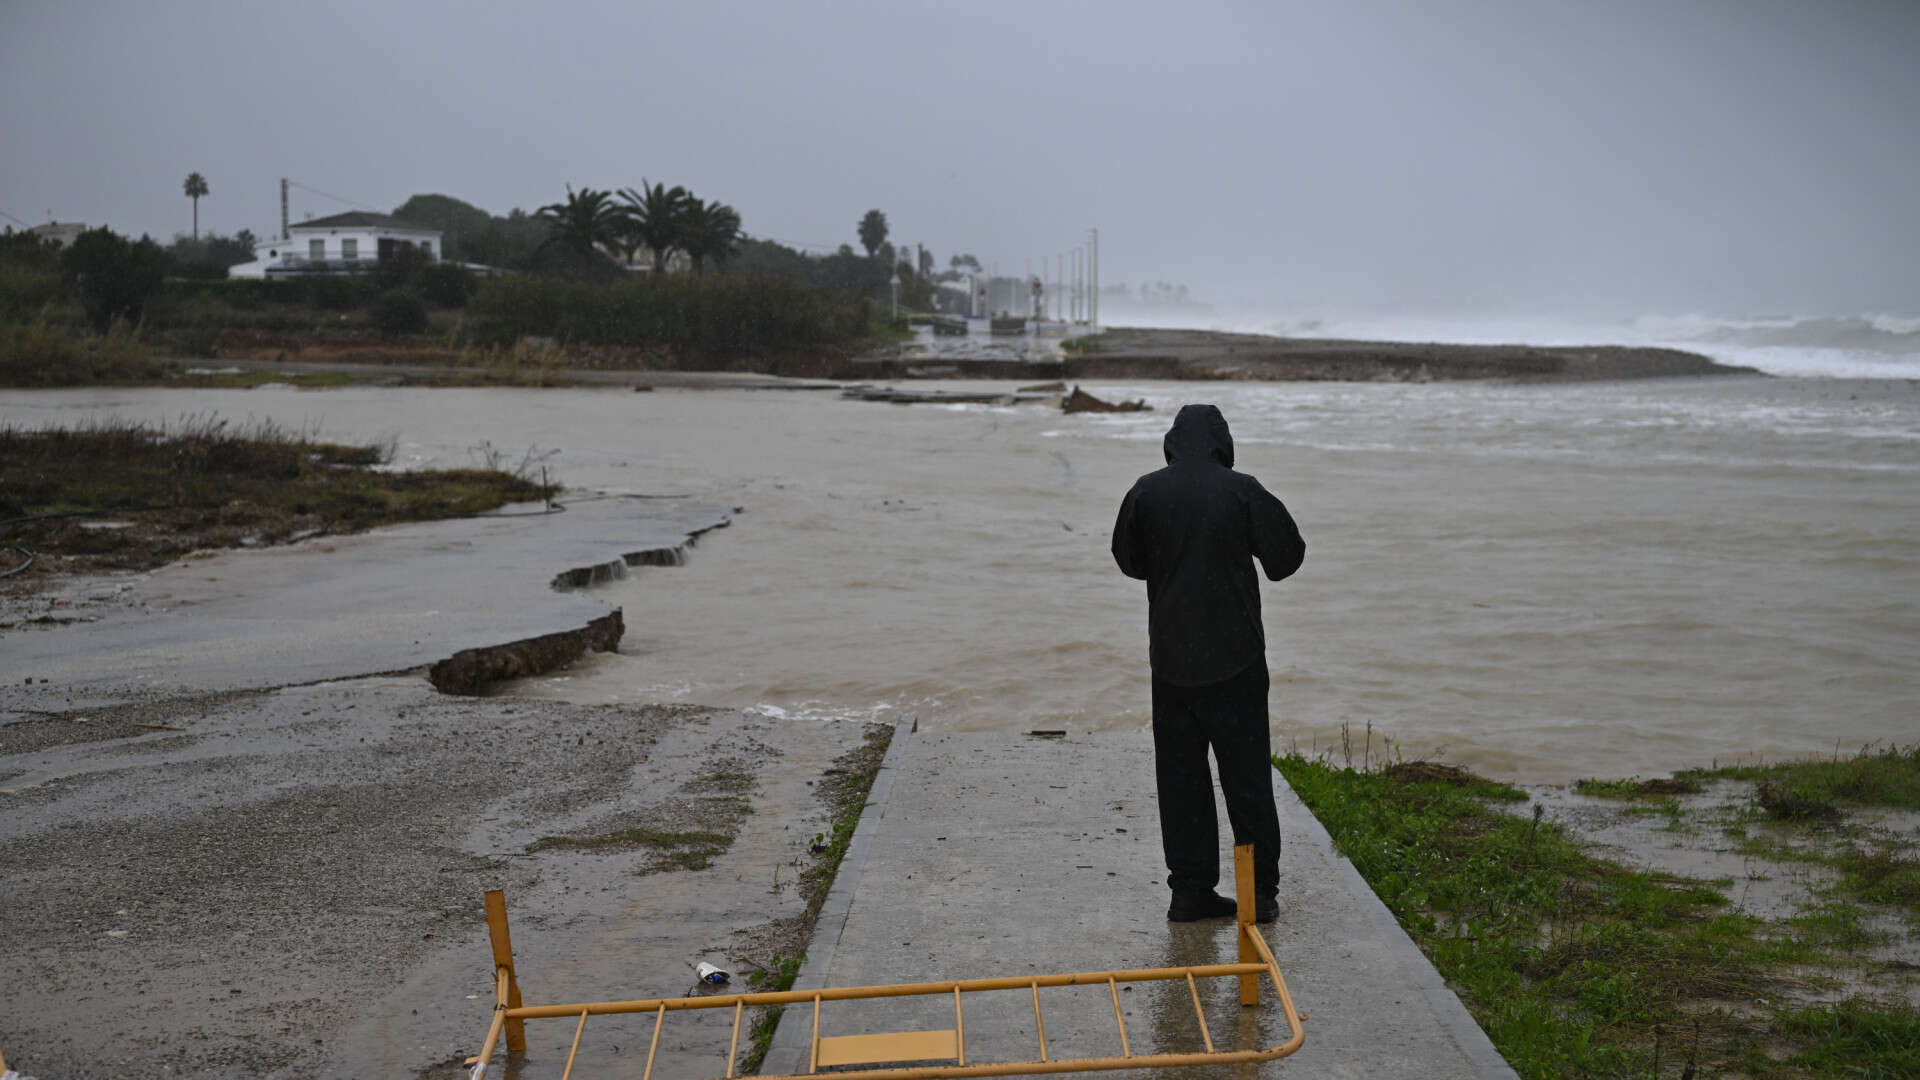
586,220
656,219
709,230
195,187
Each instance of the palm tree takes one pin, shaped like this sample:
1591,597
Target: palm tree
873,231
656,219
588,219
709,230
195,187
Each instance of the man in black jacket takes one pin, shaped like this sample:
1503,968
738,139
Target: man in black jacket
1192,531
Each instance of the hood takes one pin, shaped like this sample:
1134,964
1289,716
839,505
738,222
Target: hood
1199,431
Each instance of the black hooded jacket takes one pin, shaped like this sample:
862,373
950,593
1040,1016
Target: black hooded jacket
1192,531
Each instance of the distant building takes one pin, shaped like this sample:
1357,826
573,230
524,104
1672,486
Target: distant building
60,232
355,242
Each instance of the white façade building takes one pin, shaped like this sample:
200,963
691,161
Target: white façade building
355,242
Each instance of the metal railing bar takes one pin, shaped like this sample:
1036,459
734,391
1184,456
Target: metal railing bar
577,1032
1066,1065
1194,989
733,1047
1038,1022
1113,988
1298,1033
659,1021
493,1029
814,1064
959,1028
855,993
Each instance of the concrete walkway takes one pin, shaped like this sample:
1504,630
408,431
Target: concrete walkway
991,854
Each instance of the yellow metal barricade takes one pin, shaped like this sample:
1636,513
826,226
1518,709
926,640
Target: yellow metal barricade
941,1045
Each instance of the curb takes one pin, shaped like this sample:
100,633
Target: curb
1460,1024
791,1048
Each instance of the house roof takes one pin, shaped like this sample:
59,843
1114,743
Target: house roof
361,219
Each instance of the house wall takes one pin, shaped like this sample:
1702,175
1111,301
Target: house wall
275,251
368,240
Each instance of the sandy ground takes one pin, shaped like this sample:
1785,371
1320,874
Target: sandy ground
289,882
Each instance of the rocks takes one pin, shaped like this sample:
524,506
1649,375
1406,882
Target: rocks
1080,401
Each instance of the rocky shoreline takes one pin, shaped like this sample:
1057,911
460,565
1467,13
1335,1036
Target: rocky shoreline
1210,354
1119,353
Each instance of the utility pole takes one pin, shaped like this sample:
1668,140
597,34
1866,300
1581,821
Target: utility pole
1093,241
283,209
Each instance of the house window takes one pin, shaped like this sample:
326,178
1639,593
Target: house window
426,248
316,249
349,249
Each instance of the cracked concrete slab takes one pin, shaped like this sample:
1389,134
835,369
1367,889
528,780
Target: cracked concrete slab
383,601
998,854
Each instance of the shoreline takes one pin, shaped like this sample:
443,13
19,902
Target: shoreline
1123,353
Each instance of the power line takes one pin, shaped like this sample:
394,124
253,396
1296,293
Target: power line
793,243
335,198
15,220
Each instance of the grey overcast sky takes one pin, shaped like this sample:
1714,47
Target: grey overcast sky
1613,157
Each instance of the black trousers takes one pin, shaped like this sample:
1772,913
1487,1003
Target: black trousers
1231,718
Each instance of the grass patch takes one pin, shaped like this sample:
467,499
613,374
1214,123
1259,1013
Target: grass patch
635,838
776,977
206,482
844,789
1888,776
692,849
40,354
1854,1038
1580,966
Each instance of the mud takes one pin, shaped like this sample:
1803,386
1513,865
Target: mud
290,885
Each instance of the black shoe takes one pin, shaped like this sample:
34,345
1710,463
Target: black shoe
1267,910
1201,906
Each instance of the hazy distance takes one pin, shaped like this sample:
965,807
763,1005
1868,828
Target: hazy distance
1537,159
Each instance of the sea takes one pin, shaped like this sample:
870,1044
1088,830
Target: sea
1538,581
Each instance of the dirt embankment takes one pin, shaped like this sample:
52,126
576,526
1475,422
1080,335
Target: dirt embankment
1210,354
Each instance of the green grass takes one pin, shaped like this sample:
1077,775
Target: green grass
776,977
1579,966
890,329
42,354
659,839
1888,777
1854,1038
206,482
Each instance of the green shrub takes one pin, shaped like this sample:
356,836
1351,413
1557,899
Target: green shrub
729,312
337,292
442,284
395,313
38,354
115,277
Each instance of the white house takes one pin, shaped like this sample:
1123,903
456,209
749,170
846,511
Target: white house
351,243
63,233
